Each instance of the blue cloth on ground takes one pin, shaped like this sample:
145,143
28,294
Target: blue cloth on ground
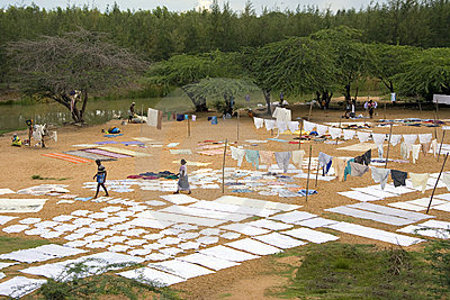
310,192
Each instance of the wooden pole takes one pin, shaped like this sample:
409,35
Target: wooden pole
420,108
223,166
189,127
440,147
309,170
300,135
142,110
385,117
237,129
437,181
389,145
437,109
310,111
317,174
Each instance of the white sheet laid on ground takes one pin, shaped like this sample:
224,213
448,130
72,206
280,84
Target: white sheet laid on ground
6,219
179,198
443,207
356,195
293,217
150,223
162,216
5,265
181,268
405,205
245,229
254,247
279,240
376,234
391,211
6,191
228,254
357,213
317,222
124,151
443,196
269,224
21,205
231,208
20,286
256,203
152,276
423,202
210,262
425,231
371,191
360,147
199,212
41,253
313,236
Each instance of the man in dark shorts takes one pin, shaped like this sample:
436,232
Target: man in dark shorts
101,178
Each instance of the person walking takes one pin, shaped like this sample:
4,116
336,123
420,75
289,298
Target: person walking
101,178
183,181
371,105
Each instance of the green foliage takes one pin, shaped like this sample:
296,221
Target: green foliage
81,281
426,74
344,271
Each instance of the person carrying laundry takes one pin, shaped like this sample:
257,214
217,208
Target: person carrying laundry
101,178
183,181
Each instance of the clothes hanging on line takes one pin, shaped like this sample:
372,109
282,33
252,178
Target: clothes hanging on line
324,160
416,152
380,176
419,180
252,156
259,122
363,136
266,157
396,139
237,154
358,169
348,134
269,124
365,158
339,167
297,157
282,159
399,177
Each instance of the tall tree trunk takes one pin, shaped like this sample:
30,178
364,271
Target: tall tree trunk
266,93
199,103
84,97
347,94
65,100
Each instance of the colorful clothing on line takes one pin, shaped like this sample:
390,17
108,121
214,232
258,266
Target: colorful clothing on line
252,156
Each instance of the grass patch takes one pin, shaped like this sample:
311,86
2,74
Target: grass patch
225,295
39,177
344,271
9,244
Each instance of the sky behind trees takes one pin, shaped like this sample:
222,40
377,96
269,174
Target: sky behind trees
183,5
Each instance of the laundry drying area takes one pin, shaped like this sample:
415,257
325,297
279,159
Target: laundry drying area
256,192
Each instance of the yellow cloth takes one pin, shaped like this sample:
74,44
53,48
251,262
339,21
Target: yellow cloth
339,165
419,180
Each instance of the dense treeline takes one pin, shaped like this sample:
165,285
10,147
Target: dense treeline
159,33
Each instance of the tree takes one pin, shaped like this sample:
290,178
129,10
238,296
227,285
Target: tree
54,66
426,74
181,70
386,61
295,65
220,88
350,55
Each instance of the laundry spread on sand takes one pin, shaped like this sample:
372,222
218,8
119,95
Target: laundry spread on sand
67,157
90,156
125,151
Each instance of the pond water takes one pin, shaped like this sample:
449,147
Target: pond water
13,116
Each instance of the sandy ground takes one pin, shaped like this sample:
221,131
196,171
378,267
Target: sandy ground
251,279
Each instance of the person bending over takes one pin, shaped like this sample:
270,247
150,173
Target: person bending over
101,178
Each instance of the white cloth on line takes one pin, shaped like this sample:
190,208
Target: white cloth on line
297,157
425,138
363,136
269,124
308,126
282,126
445,178
152,117
335,132
378,138
282,114
434,147
348,134
416,152
259,122
321,129
395,139
293,126
410,138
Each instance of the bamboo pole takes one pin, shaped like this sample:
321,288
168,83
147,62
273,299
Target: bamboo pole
442,141
317,174
437,181
189,127
300,135
385,116
223,166
389,146
309,170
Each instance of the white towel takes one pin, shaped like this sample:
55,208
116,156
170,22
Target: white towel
363,136
237,154
309,126
395,139
335,132
410,138
425,138
152,117
419,181
259,122
282,126
348,134
270,124
293,126
322,129
445,178
416,152
378,138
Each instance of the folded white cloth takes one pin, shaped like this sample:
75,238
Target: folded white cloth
309,126
395,139
293,126
425,138
322,129
410,138
348,134
270,124
259,122
335,132
363,136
